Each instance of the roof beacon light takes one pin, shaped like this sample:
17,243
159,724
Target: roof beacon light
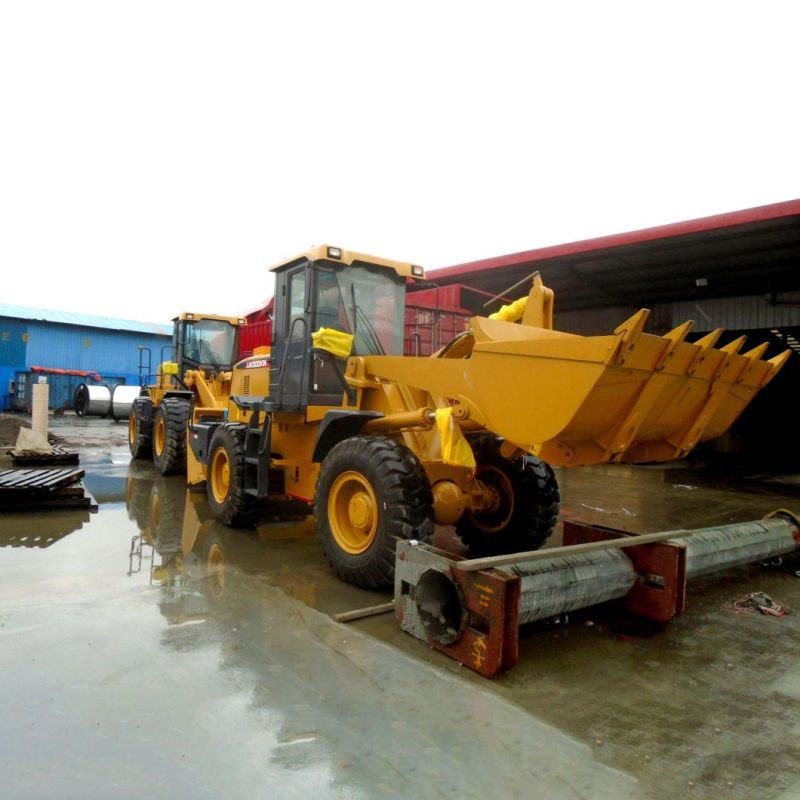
334,252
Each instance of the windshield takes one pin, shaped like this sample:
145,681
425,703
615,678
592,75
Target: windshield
368,303
210,342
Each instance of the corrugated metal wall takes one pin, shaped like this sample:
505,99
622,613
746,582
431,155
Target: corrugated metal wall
732,313
12,354
84,348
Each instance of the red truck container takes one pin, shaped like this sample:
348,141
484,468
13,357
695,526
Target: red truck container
437,314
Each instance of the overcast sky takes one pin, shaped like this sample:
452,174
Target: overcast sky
160,156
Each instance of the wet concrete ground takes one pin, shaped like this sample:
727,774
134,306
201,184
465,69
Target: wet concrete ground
145,649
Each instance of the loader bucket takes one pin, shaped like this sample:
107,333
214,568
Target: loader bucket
626,397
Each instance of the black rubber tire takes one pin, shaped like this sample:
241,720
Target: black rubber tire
140,433
165,518
237,509
175,414
535,503
403,496
137,500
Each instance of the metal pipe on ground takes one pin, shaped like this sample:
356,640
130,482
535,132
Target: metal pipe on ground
474,615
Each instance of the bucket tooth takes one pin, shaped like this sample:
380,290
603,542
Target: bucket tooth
633,326
710,339
704,345
756,353
732,348
776,363
779,360
677,335
629,332
674,338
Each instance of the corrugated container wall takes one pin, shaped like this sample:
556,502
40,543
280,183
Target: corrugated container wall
110,352
13,334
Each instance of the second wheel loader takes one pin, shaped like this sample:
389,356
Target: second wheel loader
381,447
196,379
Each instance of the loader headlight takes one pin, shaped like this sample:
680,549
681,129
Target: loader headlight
190,316
243,322
417,272
334,252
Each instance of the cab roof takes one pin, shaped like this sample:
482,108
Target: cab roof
349,257
197,317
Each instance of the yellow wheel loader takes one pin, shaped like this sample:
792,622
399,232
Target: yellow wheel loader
197,380
382,446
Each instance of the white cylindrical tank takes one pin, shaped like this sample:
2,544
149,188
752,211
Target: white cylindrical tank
94,401
122,399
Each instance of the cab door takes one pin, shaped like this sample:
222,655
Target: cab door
290,363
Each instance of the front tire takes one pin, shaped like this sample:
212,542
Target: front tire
526,503
372,491
165,520
169,435
229,502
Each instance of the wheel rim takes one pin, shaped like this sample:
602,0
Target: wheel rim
501,490
353,512
131,429
159,436
215,564
155,513
220,475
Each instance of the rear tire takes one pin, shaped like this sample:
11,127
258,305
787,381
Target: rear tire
139,431
529,503
137,501
372,491
229,502
169,435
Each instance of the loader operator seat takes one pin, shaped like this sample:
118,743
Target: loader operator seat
331,313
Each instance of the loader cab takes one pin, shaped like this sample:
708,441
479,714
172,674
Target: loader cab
206,342
339,290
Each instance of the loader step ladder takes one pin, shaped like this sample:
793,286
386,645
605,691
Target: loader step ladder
257,454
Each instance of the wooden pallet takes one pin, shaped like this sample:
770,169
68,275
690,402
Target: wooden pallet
32,489
60,455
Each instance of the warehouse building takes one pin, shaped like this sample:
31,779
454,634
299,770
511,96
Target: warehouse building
67,349
739,271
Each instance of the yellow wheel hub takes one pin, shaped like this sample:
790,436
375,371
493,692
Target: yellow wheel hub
216,570
155,517
499,499
160,435
353,512
132,429
220,475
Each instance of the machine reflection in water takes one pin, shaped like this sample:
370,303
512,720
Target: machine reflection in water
193,558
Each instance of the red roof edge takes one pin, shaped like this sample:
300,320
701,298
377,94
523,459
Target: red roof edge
789,208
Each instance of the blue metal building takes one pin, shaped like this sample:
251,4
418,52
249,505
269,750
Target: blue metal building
68,341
